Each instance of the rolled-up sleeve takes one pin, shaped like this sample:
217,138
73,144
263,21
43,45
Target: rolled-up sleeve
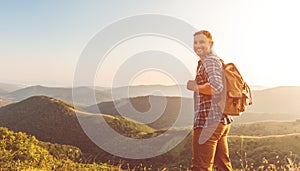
213,68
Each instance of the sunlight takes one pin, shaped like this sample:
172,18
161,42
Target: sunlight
151,77
119,56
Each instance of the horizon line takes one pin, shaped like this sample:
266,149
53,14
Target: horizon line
254,87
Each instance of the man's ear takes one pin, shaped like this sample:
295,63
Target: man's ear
211,44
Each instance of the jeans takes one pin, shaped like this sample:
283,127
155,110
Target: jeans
209,147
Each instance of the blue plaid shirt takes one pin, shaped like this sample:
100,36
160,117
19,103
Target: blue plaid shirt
206,107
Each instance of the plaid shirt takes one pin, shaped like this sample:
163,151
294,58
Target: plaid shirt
206,106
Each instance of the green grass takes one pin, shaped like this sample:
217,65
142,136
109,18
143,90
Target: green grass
265,128
19,151
268,147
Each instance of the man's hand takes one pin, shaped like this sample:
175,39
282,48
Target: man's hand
192,85
204,88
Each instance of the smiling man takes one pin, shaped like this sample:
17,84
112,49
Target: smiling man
211,126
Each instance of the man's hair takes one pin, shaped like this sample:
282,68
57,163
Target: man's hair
205,33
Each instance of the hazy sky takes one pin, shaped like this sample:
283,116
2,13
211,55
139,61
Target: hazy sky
41,41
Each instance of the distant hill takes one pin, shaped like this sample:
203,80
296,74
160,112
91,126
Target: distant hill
61,93
48,119
276,100
101,93
6,88
54,121
279,103
155,90
166,118
3,91
4,102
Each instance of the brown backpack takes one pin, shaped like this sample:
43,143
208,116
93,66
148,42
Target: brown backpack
236,91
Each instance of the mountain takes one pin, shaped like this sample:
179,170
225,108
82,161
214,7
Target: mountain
155,90
101,93
276,100
163,111
6,88
64,94
4,102
279,103
2,91
273,104
55,121
284,99
47,118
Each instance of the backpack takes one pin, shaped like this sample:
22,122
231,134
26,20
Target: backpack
236,91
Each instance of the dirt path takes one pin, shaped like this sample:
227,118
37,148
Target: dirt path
267,136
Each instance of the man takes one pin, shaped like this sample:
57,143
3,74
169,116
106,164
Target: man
211,126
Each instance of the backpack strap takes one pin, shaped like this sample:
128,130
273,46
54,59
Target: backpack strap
249,91
246,85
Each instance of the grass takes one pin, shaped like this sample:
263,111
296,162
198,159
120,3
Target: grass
19,151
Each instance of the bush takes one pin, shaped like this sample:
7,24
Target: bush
19,151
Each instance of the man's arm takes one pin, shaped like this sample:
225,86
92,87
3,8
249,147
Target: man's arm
203,89
213,68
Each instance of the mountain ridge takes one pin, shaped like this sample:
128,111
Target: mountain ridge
55,121
275,100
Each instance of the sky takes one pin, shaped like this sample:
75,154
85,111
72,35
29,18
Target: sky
41,41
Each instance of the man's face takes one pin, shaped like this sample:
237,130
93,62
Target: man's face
202,45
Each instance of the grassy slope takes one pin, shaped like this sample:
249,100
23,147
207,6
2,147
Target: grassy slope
19,151
265,128
268,147
249,117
